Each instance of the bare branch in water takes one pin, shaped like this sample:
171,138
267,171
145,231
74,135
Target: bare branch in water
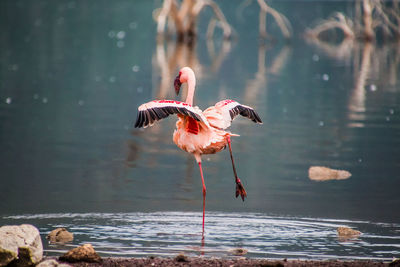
281,20
368,32
369,16
184,17
218,13
337,20
386,14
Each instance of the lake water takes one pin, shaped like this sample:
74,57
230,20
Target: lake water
263,236
72,75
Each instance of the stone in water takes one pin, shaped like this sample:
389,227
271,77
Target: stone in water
319,173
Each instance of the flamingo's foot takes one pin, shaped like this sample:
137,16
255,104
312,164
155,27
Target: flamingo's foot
240,190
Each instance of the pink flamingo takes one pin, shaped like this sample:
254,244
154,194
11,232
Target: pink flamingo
198,132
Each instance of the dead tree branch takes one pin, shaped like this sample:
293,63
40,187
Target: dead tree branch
281,20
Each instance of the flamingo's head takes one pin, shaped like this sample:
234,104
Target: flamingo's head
178,83
186,75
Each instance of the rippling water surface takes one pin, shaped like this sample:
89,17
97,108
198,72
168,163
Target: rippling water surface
72,74
169,233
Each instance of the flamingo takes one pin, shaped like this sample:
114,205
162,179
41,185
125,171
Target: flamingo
198,132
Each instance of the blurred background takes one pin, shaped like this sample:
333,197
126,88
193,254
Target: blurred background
325,84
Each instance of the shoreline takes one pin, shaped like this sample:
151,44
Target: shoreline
182,260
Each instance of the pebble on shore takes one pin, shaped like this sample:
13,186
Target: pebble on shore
238,251
84,253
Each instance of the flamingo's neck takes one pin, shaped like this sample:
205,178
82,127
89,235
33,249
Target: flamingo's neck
191,81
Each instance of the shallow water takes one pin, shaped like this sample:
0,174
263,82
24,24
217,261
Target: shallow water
170,233
72,75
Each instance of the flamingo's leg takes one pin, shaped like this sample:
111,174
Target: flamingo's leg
239,187
198,159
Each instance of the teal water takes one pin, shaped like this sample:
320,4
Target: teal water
72,75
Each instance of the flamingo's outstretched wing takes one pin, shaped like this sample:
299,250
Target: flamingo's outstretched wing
156,110
224,112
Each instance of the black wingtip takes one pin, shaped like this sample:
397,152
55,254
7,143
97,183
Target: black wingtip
137,120
257,118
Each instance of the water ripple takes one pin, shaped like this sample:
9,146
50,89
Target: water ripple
168,233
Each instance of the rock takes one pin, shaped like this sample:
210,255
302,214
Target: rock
6,256
60,235
319,173
21,244
238,251
395,262
346,232
83,253
181,258
52,263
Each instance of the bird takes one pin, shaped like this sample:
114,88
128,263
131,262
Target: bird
198,132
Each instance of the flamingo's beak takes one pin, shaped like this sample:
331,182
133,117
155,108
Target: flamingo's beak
177,84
